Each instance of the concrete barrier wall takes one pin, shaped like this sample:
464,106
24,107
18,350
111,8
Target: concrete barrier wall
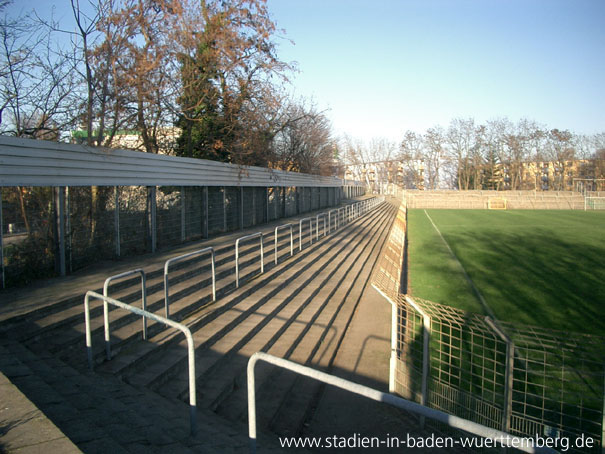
478,200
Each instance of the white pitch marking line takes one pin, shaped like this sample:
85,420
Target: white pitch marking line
478,294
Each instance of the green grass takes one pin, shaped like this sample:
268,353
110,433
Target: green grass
544,268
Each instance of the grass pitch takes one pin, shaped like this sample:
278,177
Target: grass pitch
544,268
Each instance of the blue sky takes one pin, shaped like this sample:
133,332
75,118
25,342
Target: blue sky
381,67
384,66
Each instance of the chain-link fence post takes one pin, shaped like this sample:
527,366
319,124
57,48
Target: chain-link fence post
507,406
60,229
183,215
426,357
205,224
603,416
241,208
394,346
116,219
153,216
224,208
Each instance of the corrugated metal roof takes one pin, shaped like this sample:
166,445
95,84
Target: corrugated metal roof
27,162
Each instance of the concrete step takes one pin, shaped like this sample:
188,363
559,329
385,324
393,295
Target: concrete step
306,328
298,394
184,281
63,331
68,310
131,361
275,318
208,331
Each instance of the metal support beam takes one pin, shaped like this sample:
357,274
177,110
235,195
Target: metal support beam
153,219
283,201
205,225
68,244
297,199
183,217
253,206
241,208
116,219
224,208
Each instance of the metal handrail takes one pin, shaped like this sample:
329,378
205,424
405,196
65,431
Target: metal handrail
453,421
330,220
157,318
285,226
300,223
106,308
243,238
344,214
323,216
179,259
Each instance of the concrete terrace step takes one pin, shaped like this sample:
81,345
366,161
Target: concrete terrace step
220,378
300,395
52,295
312,325
207,331
69,312
64,327
132,361
216,383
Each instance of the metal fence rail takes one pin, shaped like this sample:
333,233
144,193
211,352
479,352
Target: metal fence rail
280,227
246,238
181,258
321,216
333,220
300,231
502,438
524,379
126,274
159,319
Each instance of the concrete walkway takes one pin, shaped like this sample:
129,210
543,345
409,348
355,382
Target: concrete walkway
24,428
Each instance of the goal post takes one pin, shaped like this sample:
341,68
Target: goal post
594,203
496,203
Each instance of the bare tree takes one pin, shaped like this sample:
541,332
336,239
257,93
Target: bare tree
303,141
411,156
37,85
434,155
464,141
560,151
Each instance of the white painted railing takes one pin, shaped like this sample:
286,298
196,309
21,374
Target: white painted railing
159,319
285,226
180,258
140,272
262,261
497,436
